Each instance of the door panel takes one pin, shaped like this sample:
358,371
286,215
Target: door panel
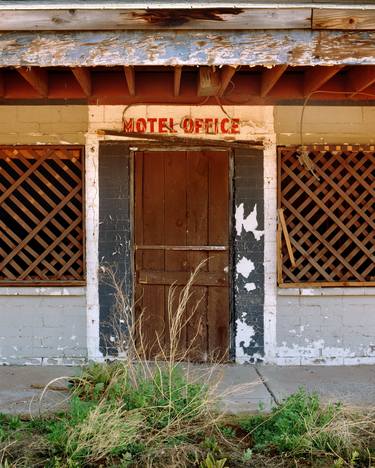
181,220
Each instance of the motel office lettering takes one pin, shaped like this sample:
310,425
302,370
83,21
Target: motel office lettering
188,125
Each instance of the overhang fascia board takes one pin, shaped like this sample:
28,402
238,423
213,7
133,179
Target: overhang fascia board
134,48
174,5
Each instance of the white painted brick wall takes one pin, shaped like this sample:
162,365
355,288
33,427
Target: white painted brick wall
42,327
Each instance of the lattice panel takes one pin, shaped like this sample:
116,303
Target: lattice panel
330,221
41,219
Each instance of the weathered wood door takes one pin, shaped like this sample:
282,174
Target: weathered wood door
181,219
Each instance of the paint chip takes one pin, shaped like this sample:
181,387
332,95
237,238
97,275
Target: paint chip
244,267
249,224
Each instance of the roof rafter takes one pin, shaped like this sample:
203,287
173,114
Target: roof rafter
358,81
83,77
130,79
270,77
227,73
2,84
314,79
177,72
37,78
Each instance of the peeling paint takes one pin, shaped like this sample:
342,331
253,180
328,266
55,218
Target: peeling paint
250,287
244,267
244,334
249,224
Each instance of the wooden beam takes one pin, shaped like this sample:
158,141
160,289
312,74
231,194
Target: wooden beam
324,18
209,83
360,78
315,78
83,77
227,73
177,80
176,139
130,79
270,76
154,18
37,78
2,84
119,48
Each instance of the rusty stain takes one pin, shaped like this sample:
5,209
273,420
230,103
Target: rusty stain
173,18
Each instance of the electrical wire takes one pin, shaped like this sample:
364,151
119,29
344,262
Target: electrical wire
323,92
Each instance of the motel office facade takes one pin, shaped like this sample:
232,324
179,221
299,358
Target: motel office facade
113,205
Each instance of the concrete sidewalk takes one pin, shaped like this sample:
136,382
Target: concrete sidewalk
241,388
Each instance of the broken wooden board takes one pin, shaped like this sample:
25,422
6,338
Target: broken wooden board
265,48
155,18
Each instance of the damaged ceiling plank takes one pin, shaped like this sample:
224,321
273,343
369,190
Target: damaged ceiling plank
83,77
37,78
119,48
175,139
155,18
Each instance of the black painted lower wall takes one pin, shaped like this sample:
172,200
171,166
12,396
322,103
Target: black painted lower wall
115,244
249,305
114,238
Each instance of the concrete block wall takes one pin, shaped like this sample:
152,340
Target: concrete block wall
325,325
114,238
32,125
42,325
328,124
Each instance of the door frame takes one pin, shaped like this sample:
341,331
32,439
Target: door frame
152,146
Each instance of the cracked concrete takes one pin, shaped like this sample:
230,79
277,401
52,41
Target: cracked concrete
241,388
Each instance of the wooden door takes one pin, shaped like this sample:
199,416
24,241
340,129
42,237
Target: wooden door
181,219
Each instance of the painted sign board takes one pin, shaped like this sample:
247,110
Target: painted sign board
189,125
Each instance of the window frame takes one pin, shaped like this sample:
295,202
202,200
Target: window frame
57,282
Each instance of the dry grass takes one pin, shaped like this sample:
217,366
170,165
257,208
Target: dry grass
134,412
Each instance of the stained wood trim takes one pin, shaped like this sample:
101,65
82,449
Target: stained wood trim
184,141
83,77
349,19
331,147
37,78
181,278
217,18
286,236
204,248
328,284
42,283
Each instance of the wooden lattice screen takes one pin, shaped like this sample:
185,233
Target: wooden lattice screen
41,218
327,198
